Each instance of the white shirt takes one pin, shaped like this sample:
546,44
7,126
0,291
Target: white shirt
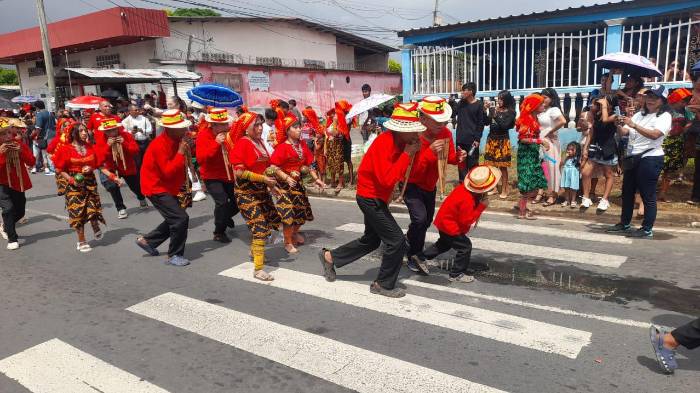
141,123
267,130
546,120
639,143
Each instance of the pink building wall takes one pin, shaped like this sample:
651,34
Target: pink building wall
308,87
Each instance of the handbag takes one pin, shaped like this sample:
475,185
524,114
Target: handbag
631,161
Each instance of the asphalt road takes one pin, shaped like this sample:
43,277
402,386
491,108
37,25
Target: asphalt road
562,308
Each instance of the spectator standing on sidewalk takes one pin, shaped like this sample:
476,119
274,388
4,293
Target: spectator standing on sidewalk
44,131
470,126
140,128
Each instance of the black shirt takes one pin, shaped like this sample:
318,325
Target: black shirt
501,123
470,122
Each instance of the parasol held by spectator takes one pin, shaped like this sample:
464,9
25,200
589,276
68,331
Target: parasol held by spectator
215,95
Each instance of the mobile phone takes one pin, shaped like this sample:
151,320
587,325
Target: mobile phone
617,110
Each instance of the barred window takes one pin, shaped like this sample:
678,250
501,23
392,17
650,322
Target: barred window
107,61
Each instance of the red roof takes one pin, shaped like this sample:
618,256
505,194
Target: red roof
113,26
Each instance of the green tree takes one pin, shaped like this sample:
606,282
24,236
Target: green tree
394,66
8,77
193,12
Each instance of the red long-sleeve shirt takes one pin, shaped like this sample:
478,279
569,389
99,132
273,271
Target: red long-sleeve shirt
130,148
425,173
246,156
26,158
67,159
382,167
458,213
287,159
163,168
210,157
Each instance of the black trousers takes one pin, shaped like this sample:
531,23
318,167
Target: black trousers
174,227
471,161
461,244
13,205
696,178
142,150
642,179
380,226
421,209
688,335
115,191
225,206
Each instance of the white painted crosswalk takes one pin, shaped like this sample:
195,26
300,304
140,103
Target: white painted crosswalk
493,325
345,365
56,367
529,250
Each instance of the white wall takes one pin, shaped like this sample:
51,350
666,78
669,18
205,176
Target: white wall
265,39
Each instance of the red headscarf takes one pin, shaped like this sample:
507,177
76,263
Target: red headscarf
311,116
527,124
342,108
239,128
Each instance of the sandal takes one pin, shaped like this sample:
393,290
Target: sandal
83,247
665,356
529,215
549,202
328,268
338,190
503,196
99,235
263,275
290,249
537,199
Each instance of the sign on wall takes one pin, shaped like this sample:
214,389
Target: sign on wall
258,81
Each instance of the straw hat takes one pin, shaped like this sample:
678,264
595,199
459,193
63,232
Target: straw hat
109,124
4,123
217,115
482,178
173,118
437,108
405,119
17,123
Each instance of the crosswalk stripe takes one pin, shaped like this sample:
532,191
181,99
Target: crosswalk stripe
538,230
57,367
342,364
530,250
493,325
463,292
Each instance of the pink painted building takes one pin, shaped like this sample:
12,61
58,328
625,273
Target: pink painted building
317,88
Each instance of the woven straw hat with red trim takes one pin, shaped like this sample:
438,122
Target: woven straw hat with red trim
437,108
482,178
217,115
109,124
173,118
405,119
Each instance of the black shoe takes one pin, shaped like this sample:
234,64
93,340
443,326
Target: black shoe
221,238
642,233
377,289
418,265
328,268
619,227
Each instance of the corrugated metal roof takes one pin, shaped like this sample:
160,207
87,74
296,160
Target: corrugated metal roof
613,5
155,74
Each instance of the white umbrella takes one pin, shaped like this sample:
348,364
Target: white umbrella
367,104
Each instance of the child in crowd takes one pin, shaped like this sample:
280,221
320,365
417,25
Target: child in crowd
571,174
460,211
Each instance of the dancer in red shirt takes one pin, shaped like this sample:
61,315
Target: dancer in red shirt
163,174
104,112
290,161
384,165
62,137
117,152
15,157
251,162
77,161
457,215
215,169
436,142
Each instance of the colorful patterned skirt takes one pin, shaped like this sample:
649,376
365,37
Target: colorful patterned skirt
497,152
61,184
83,202
334,156
530,173
320,156
293,205
257,208
673,154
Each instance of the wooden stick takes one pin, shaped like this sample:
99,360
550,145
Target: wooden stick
226,162
405,179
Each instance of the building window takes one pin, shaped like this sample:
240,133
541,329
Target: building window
107,61
73,64
36,71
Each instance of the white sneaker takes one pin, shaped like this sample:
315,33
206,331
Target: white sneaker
586,202
603,204
83,247
33,171
122,214
565,204
47,171
199,196
573,205
2,232
12,246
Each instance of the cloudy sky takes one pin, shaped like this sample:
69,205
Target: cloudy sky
371,18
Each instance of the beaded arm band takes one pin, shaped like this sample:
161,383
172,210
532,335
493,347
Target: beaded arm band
254,177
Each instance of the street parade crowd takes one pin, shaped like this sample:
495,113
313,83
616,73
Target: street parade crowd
259,165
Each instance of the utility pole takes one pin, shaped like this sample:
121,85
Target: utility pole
436,22
48,62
